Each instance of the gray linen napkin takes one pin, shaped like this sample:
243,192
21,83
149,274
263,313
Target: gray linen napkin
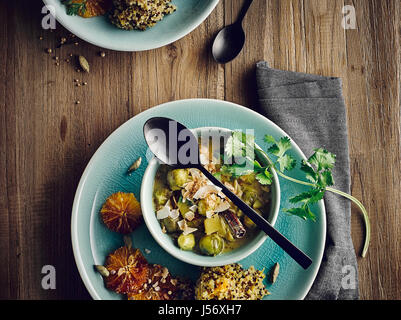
311,109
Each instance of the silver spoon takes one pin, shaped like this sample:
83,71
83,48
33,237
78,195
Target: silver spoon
167,139
230,40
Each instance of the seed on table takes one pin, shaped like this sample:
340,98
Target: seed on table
77,102
48,50
40,38
102,54
84,63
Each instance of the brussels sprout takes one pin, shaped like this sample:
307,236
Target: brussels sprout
186,242
161,196
177,178
211,244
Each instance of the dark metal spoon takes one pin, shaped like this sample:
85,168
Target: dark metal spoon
175,145
230,40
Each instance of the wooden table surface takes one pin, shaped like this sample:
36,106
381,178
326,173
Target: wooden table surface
46,139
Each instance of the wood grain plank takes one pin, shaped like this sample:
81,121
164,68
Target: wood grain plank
373,95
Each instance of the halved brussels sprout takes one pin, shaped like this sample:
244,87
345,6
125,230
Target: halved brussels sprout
186,242
177,178
211,244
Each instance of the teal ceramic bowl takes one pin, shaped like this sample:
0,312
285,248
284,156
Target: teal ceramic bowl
166,241
100,32
106,173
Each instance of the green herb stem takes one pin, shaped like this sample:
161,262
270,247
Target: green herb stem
364,213
345,195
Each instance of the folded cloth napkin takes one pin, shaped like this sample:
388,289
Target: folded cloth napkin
311,109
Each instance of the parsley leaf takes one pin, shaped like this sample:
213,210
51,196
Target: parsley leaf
234,146
265,178
269,139
74,8
311,175
286,162
280,147
322,159
309,197
303,212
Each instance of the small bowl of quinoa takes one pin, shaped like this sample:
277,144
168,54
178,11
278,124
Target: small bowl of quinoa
139,14
134,25
231,282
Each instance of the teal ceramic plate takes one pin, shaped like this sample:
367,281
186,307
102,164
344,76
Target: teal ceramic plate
99,31
106,174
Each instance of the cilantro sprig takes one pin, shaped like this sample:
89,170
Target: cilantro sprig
317,170
74,8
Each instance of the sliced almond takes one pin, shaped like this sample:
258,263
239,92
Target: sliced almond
189,215
174,214
135,165
164,212
275,272
223,206
102,270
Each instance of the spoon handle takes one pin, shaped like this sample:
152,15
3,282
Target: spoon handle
244,10
262,223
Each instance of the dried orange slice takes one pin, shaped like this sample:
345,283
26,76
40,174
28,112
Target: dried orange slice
88,8
162,286
128,270
121,212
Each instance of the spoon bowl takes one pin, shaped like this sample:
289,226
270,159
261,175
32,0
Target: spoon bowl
171,142
228,43
231,39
